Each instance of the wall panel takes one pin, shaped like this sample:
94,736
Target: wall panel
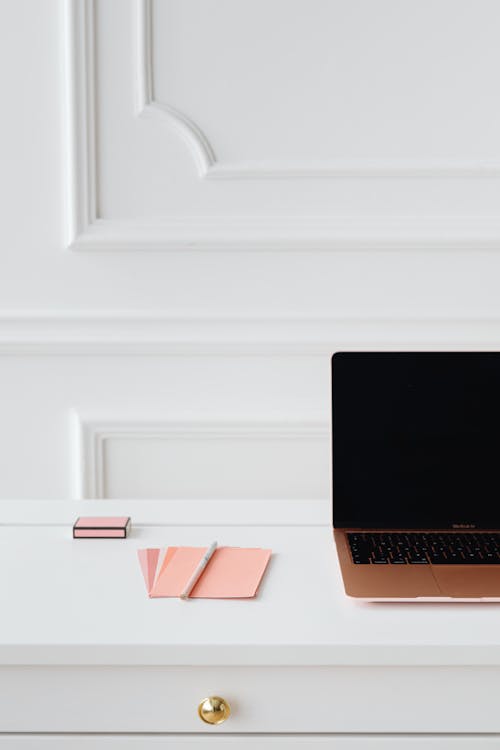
95,409
375,118
260,183
191,459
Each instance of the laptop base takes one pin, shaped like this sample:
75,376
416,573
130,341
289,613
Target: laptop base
416,582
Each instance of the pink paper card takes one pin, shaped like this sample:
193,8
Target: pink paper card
148,559
232,572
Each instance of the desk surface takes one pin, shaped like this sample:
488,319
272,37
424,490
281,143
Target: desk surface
68,601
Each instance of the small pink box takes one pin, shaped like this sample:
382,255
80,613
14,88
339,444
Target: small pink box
100,527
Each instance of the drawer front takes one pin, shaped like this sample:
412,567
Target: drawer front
310,742
262,699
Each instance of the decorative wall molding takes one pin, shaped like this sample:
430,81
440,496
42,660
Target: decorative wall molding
90,437
294,234
86,231
208,165
128,333
147,105
80,156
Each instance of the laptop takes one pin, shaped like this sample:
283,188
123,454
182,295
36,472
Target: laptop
416,474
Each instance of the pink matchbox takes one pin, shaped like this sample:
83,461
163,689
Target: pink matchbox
101,527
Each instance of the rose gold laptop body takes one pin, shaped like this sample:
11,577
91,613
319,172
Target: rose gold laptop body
415,582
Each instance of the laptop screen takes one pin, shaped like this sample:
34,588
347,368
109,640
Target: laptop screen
416,440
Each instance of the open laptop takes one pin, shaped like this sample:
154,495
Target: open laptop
416,474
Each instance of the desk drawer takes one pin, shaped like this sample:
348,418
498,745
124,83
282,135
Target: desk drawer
262,699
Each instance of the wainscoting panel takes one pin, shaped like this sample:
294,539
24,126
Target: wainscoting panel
305,88
108,406
235,460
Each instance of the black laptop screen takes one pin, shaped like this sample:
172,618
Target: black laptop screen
416,439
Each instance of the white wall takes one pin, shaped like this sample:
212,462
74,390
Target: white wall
202,199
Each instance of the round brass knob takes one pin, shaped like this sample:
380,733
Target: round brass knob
214,710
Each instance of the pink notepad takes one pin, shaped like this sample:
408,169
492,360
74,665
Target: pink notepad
232,572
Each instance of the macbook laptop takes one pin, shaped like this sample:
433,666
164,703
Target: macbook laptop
416,474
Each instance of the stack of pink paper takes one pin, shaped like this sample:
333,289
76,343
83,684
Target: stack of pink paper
232,572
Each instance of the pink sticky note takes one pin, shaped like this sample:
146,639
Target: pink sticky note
232,573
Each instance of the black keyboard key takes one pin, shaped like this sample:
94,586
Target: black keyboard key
491,558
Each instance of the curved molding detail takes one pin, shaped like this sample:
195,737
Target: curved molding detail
209,167
147,105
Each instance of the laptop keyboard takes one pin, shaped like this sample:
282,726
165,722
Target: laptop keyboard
400,548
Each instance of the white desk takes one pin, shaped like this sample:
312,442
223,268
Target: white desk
83,649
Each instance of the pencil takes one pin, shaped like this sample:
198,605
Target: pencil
198,571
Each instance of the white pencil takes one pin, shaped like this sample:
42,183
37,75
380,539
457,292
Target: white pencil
198,571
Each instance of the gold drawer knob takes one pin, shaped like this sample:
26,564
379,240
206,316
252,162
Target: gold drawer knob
214,710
